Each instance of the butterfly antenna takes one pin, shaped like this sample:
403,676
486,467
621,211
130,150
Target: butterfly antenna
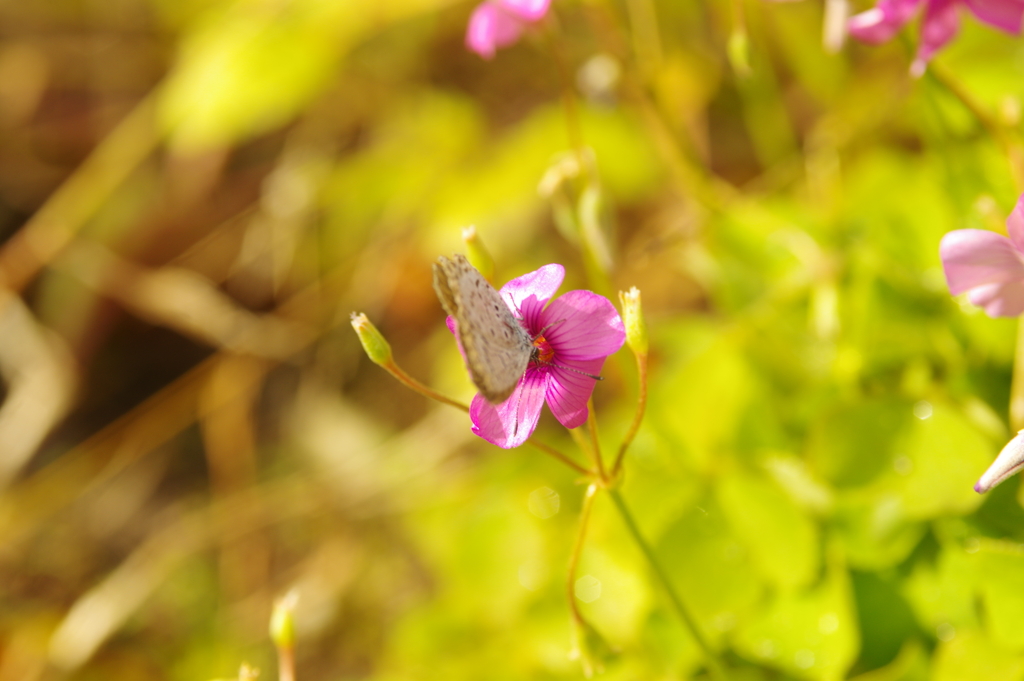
577,371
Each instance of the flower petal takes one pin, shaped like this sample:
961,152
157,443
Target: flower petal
527,10
1009,461
882,22
1002,14
527,295
940,24
975,257
491,27
999,300
584,325
512,422
568,391
1015,224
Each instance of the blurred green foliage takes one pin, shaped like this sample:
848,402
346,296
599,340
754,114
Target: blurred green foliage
206,434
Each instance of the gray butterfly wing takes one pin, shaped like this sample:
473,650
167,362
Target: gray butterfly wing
497,348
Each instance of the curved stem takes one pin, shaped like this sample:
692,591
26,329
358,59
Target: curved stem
80,197
595,445
574,128
285,664
643,22
547,449
641,407
413,384
577,549
1017,383
714,664
993,126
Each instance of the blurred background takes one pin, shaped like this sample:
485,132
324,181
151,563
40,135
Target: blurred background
195,194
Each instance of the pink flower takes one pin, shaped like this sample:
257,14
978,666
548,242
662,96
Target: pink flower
939,25
499,23
572,336
987,266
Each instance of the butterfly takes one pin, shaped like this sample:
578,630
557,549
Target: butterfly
496,347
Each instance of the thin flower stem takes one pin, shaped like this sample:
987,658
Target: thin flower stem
641,407
80,196
1011,146
714,664
587,448
572,114
413,384
643,21
941,76
577,550
594,443
285,664
1017,383
547,449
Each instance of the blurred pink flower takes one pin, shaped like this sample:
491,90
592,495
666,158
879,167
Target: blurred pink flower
572,337
989,267
938,26
499,23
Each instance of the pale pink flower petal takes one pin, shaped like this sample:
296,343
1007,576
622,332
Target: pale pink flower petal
987,266
976,257
512,422
491,27
527,10
882,22
1002,14
1009,461
999,300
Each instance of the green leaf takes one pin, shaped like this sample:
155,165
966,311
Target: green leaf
782,540
910,665
942,594
811,634
853,445
250,67
970,656
707,395
874,529
710,568
999,567
944,454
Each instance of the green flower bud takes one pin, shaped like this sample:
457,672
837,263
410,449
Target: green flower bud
282,621
633,319
377,349
479,256
738,51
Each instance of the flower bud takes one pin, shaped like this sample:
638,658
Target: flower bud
479,256
738,51
592,221
282,621
1009,461
633,320
377,349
